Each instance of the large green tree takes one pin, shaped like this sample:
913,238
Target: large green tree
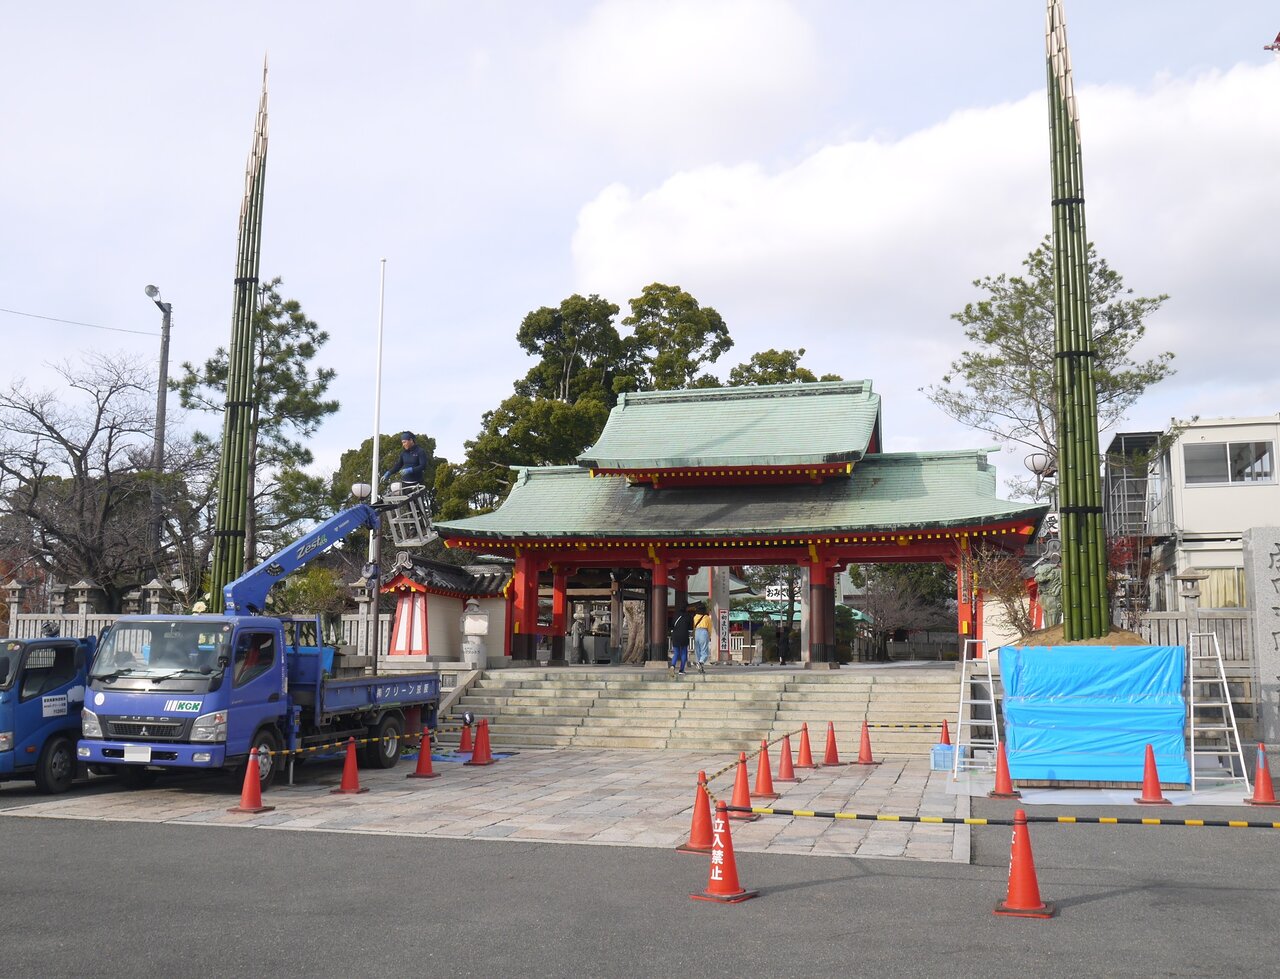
776,367
1005,384
578,348
289,404
672,338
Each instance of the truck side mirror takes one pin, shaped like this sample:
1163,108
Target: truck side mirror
224,661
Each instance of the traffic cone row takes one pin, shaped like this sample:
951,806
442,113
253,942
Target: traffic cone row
786,771
741,794
805,757
864,748
700,829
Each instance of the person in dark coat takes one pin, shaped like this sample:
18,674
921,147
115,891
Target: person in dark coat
412,464
680,627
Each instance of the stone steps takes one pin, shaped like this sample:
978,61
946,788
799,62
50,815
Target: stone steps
721,711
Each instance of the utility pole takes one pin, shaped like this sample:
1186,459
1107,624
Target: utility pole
162,400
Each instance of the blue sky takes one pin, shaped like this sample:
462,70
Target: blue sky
827,174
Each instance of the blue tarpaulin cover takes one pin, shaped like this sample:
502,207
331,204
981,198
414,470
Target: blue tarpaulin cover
1087,713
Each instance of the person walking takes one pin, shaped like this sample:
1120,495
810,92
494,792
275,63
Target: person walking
702,638
680,626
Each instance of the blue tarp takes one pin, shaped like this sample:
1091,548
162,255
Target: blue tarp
1087,713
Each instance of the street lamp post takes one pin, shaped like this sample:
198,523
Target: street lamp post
162,398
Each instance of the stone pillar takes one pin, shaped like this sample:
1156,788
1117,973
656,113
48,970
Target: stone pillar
615,619
719,586
132,604
658,614
1262,589
58,599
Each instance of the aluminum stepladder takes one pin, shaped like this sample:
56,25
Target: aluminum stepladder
977,693
1211,718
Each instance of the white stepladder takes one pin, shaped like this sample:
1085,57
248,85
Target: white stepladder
977,694
1211,719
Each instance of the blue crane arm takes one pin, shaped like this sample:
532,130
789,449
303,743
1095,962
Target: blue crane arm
247,595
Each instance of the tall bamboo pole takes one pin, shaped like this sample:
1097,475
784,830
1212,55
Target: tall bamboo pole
1084,554
234,492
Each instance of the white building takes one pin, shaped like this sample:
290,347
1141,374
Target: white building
1179,501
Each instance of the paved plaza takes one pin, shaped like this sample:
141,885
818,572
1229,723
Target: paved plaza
566,795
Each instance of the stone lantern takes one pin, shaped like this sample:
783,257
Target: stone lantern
474,624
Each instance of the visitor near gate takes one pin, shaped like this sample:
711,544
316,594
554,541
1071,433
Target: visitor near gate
702,638
679,642
411,465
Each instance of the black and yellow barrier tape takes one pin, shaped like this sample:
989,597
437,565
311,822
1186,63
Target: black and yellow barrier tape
999,821
931,727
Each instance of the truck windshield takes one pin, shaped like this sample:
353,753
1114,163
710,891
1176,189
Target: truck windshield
160,649
10,659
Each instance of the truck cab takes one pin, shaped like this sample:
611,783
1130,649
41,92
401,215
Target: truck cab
185,691
42,689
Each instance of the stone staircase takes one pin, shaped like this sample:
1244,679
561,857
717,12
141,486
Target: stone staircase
727,710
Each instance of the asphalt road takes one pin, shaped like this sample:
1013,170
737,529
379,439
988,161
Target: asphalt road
101,898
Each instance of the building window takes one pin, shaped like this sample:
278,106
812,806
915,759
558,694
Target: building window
1228,462
1224,588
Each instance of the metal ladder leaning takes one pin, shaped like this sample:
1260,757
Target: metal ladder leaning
977,689
1211,719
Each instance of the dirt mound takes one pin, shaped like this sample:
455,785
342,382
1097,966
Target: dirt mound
1052,636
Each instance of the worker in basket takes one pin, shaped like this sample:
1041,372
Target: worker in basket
410,466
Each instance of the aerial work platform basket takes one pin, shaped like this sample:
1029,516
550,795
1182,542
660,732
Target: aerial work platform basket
408,517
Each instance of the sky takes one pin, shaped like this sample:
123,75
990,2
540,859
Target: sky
827,174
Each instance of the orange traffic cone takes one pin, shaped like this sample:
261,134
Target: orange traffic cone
350,777
764,777
786,771
700,828
1023,898
864,748
424,759
832,756
946,733
804,758
1004,785
1151,794
251,793
480,754
722,884
464,742
741,794
1263,793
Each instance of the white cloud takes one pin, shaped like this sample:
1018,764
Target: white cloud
683,81
861,251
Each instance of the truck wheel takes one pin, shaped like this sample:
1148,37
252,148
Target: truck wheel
56,768
384,752
269,764
136,776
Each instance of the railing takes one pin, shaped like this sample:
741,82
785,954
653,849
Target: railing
1232,627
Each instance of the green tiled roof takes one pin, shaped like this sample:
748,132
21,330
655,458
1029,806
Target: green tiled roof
900,491
766,425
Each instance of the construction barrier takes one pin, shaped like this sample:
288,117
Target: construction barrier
996,821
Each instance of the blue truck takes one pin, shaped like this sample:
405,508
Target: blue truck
204,691
42,688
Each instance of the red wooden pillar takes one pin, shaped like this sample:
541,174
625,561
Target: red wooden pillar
658,613
821,612
524,626
559,613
